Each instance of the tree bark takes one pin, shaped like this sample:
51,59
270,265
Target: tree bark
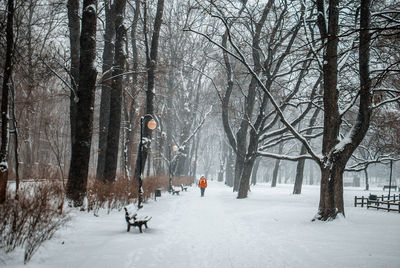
74,25
104,118
78,172
111,160
8,68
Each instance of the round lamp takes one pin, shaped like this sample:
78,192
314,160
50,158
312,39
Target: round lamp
174,148
152,124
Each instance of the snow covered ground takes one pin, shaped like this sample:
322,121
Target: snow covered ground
271,228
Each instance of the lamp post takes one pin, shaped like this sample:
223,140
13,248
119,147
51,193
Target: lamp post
152,124
390,178
173,148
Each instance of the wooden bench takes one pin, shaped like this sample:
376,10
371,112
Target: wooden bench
175,191
135,221
390,187
184,188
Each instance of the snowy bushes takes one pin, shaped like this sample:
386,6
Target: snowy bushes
31,219
123,191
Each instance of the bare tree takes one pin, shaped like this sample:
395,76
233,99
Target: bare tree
336,153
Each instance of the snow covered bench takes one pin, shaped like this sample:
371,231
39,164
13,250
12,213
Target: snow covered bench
183,188
135,221
175,191
394,187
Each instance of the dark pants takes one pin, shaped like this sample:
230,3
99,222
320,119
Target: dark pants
202,191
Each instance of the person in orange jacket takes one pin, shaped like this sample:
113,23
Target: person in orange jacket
202,185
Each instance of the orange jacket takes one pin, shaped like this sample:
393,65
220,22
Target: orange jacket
202,182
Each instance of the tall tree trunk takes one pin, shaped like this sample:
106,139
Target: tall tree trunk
26,133
329,206
133,122
366,179
151,64
311,174
78,172
276,167
74,25
245,177
337,155
229,169
104,118
255,170
251,156
116,94
298,183
196,155
8,67
300,164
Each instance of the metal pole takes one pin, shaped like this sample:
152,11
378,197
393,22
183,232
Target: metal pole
390,179
140,197
169,169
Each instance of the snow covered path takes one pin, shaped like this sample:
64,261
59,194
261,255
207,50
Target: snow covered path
271,228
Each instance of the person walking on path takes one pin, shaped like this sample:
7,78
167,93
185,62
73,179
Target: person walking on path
202,185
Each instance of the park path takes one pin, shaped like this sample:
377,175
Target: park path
271,228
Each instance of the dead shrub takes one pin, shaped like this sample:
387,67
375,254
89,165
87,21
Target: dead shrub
122,192
31,219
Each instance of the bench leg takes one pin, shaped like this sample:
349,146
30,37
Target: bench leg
146,225
140,228
129,228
